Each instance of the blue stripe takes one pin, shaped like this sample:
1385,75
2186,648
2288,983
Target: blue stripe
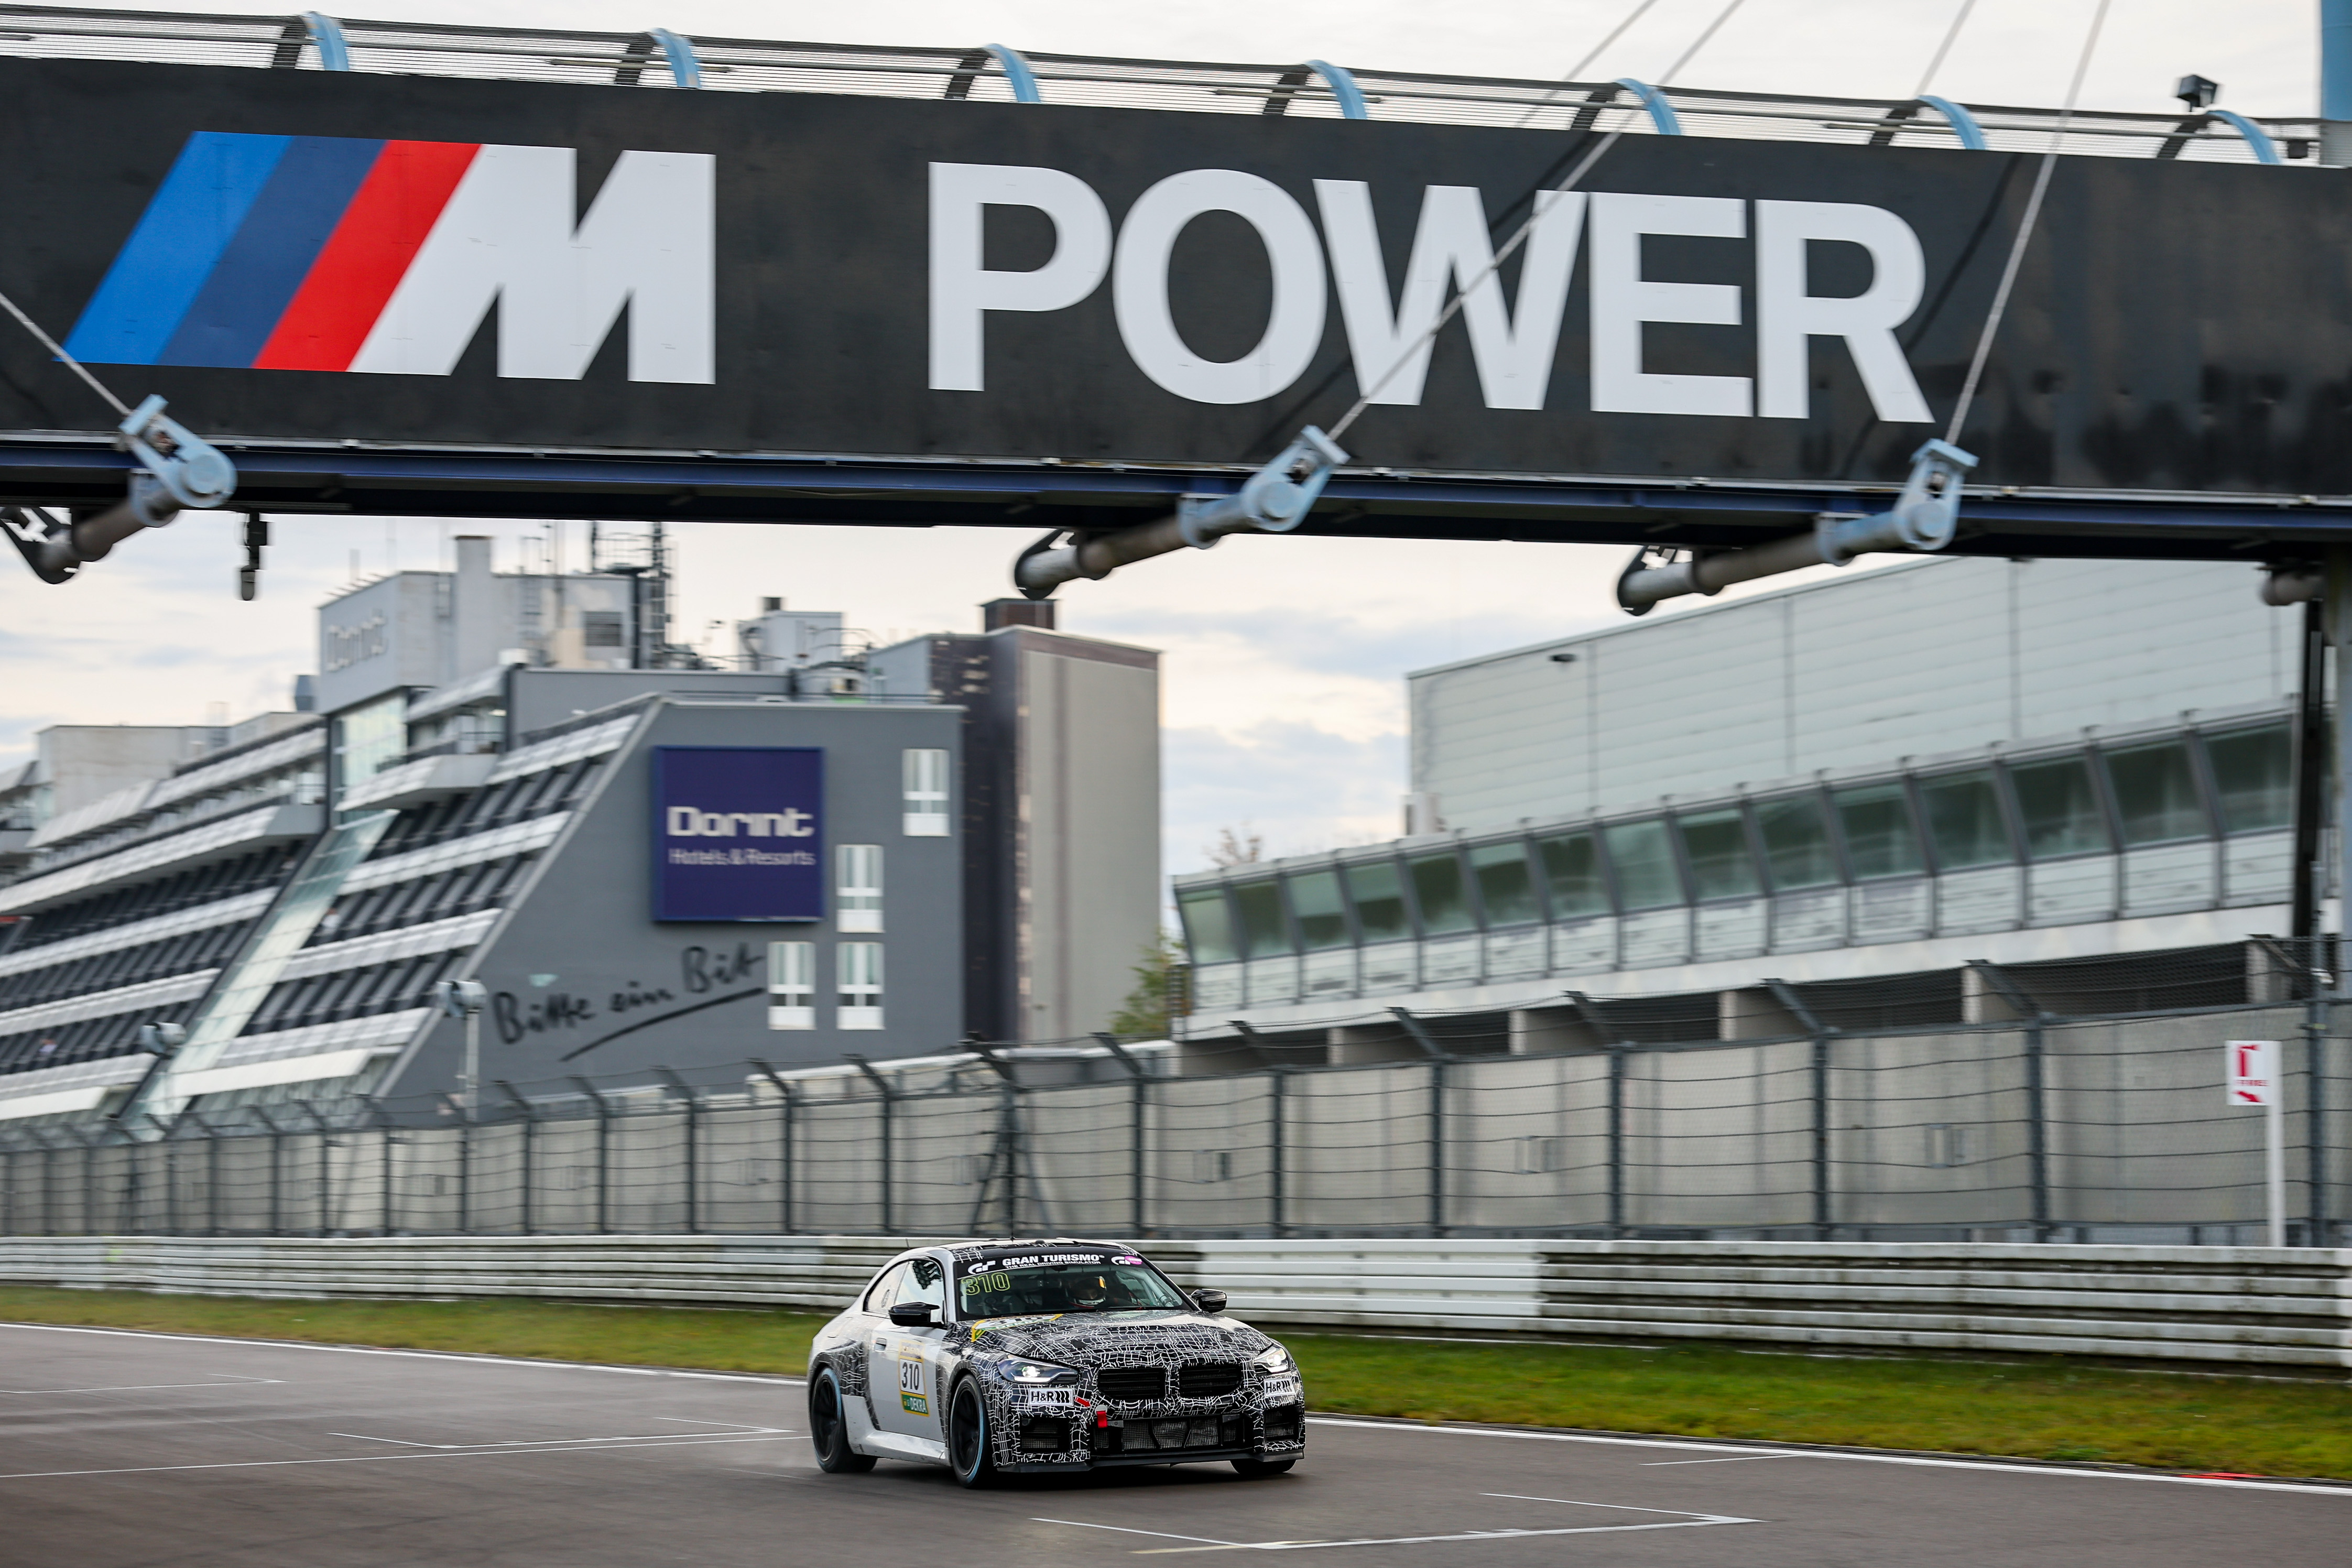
163,265
257,276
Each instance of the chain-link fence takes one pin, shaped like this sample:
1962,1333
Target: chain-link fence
2109,1131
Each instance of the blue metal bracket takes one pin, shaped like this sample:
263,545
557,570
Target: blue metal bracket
327,37
1662,113
685,67
1963,124
1343,88
1017,74
2265,150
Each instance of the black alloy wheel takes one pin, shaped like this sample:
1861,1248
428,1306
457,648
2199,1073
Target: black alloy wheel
967,1436
1260,1470
829,1427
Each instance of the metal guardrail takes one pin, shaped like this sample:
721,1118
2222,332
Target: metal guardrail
2217,1305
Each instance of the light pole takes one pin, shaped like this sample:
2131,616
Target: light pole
464,999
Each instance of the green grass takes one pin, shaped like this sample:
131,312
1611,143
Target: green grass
2053,1409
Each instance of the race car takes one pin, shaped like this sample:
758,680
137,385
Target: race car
1052,1355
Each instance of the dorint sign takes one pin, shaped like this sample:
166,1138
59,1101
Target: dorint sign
739,833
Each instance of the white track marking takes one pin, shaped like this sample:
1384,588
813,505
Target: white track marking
1623,1507
1123,1529
228,1380
1685,1519
513,1443
418,1355
1728,1459
1994,1465
680,1442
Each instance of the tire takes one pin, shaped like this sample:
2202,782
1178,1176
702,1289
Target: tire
1262,1469
829,1427
969,1438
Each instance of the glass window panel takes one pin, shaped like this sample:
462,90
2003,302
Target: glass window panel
2060,807
1721,864
1379,895
1437,888
1965,820
1207,929
1796,843
2255,771
1645,858
2156,794
1505,889
1571,871
1322,919
1264,936
1879,836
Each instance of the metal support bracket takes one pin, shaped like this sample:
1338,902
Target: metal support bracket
1924,517
1420,1032
1119,1053
192,471
1275,499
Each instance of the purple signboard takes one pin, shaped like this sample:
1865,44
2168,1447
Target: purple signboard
739,833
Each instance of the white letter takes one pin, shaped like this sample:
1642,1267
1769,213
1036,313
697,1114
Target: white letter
1786,315
506,236
1623,300
963,288
682,822
1294,329
1514,352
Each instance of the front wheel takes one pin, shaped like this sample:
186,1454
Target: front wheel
829,1427
1259,1469
968,1436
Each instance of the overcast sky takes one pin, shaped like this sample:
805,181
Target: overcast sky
1285,657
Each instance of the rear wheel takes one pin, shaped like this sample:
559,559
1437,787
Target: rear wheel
1259,1469
829,1427
969,1438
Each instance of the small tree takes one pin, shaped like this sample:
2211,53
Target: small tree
1247,847
1151,1009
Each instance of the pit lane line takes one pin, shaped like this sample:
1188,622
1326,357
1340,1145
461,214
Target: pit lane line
1687,1520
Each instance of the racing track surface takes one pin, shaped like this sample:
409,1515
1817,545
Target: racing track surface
119,1450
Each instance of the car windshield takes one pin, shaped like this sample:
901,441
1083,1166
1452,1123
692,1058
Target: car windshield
990,1289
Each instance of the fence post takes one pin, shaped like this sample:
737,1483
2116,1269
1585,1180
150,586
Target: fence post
1794,1004
2037,1125
1616,1139
685,1091
2315,1067
603,1150
381,1124
326,1165
1274,1140
277,1145
529,1137
465,1114
1437,1061
212,1168
784,1142
889,1101
1135,1163
164,1132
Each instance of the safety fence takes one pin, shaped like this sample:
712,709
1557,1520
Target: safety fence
2221,1306
2113,1130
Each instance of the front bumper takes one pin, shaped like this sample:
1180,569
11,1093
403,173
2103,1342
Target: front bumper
1059,1440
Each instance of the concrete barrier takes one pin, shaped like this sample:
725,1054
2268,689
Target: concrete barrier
2226,1306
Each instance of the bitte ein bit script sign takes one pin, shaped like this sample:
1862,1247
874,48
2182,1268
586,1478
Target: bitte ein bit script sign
739,833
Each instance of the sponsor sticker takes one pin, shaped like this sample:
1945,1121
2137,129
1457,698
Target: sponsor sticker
911,1398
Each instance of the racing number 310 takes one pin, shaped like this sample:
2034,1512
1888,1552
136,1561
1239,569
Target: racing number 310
910,1388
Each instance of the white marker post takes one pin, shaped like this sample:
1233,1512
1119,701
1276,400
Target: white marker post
2253,1069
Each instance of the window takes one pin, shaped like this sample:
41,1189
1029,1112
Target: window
1437,888
2255,771
600,628
924,1284
857,967
1645,858
858,898
1796,843
1965,823
1879,837
926,792
1379,896
885,1290
1720,862
1315,900
791,985
2156,794
1572,869
2060,808
1207,929
369,739
1263,934
1504,891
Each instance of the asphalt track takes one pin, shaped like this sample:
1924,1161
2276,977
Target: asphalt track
121,1449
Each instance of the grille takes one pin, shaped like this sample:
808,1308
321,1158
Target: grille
1129,1385
1208,1379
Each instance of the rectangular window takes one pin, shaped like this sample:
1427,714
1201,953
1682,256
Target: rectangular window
369,739
1208,928
1796,843
1571,868
1264,933
1504,891
2060,807
926,792
1437,888
1315,900
1379,896
1879,835
1965,822
858,970
791,985
2255,771
2156,794
1720,863
1645,858
857,895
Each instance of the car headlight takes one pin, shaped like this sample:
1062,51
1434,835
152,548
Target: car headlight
1276,1361
1022,1373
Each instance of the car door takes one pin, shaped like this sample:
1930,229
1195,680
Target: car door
878,1340
905,1377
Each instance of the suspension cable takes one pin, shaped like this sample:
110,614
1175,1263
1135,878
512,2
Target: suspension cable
1936,60
1541,204
1593,54
71,363
2024,230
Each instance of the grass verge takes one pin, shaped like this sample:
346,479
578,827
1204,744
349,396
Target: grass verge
2048,1409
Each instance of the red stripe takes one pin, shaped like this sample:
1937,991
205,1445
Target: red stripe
365,259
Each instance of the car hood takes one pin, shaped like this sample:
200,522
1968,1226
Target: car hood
1091,1340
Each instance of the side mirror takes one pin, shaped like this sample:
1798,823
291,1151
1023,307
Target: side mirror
1209,1301
912,1314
